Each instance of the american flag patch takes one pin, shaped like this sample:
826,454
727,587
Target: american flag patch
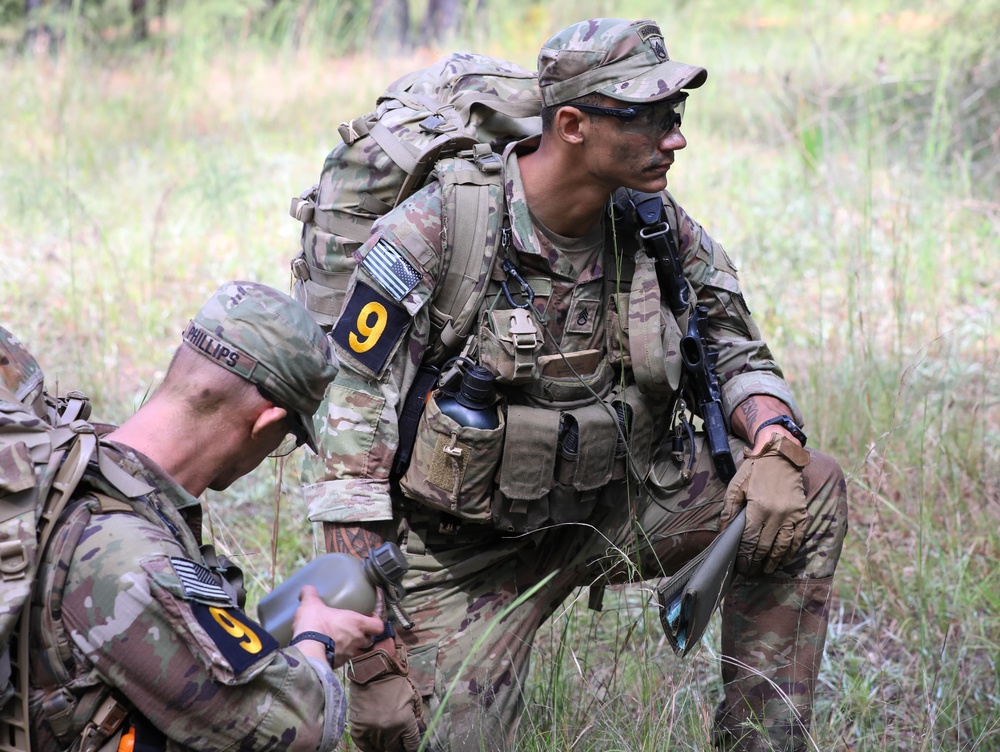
388,267
199,582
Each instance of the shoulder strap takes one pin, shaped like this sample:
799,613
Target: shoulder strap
473,215
72,462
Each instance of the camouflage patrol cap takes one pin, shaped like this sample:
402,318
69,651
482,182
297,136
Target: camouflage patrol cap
623,59
270,340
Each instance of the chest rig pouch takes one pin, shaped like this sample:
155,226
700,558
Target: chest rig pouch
565,441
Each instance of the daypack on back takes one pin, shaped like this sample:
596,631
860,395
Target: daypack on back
45,445
465,104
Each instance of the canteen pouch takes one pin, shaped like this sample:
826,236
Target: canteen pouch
509,343
452,467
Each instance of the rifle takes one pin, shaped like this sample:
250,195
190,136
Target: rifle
699,365
698,359
689,598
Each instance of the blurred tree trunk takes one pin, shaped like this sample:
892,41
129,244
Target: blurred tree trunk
441,21
140,22
446,18
389,23
38,32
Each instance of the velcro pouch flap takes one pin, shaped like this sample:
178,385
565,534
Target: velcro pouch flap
596,458
529,452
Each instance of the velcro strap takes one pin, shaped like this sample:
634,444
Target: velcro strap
389,658
110,505
350,226
782,446
373,205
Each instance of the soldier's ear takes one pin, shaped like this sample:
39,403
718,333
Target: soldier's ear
266,418
570,124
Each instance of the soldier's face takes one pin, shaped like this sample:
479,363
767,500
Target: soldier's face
635,158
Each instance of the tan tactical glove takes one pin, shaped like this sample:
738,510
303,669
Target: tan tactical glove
385,712
770,483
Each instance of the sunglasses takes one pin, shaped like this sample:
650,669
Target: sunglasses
654,120
295,428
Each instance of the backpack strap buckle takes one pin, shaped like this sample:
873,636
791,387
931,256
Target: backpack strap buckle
13,560
524,335
437,124
485,158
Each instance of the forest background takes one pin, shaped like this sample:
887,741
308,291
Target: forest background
846,154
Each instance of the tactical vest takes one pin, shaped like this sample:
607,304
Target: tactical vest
561,438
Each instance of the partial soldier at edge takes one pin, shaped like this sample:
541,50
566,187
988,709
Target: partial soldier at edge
134,629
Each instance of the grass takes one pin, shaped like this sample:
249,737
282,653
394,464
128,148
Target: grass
826,153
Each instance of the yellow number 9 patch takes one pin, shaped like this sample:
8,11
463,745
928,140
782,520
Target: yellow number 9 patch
241,641
369,327
237,629
369,332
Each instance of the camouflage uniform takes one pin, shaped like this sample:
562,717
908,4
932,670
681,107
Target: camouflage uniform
641,524
129,608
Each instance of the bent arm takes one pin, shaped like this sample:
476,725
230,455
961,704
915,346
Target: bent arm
205,674
380,339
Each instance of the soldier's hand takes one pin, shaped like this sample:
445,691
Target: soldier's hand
386,714
770,483
351,632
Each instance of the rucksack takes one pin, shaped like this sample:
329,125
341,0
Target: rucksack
445,122
45,446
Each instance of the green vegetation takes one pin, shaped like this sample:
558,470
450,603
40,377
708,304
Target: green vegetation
846,154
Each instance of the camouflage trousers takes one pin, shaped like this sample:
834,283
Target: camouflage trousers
461,588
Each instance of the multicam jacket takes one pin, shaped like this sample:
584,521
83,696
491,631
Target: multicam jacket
126,606
384,330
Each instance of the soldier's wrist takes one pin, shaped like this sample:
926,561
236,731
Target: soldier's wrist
386,657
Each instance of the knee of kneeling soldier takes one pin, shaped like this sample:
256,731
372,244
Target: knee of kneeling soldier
826,502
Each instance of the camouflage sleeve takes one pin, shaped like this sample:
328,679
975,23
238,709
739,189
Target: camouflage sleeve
745,366
141,620
380,339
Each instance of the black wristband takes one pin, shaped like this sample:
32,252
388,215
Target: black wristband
786,422
327,642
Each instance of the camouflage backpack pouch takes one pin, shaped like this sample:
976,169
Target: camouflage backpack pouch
462,102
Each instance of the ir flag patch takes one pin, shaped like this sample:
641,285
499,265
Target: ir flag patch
389,268
198,581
